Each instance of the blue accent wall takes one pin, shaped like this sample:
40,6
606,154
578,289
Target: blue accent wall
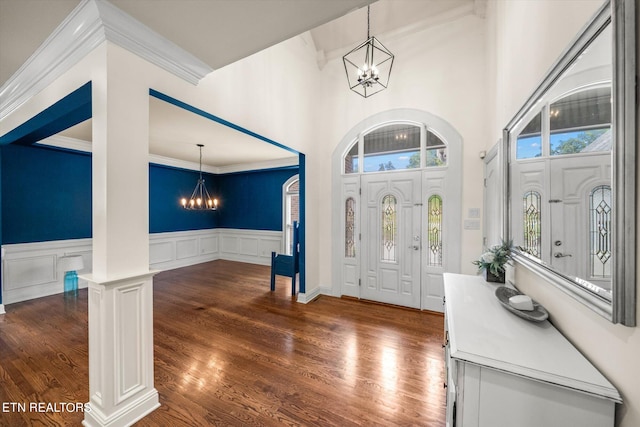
46,194
167,185
252,200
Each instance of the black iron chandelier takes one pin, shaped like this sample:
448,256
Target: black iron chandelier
368,66
200,199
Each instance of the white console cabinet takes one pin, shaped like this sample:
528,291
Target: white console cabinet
505,371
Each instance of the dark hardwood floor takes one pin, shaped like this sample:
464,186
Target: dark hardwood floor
228,352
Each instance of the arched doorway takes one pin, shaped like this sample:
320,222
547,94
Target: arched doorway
397,209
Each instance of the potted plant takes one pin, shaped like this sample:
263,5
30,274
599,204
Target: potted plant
493,261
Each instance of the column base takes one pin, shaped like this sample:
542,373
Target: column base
120,351
126,415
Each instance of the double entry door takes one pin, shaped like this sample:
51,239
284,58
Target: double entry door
400,249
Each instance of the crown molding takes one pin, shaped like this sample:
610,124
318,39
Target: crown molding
181,164
67,143
268,164
90,24
129,33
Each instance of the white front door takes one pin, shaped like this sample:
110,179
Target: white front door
574,179
391,238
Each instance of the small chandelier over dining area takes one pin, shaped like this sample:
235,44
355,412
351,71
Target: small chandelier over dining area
368,66
200,198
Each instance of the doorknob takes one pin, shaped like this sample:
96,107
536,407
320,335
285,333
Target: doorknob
560,255
415,247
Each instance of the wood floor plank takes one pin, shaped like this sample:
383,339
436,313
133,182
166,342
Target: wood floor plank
228,352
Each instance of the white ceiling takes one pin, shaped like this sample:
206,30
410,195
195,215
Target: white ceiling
220,32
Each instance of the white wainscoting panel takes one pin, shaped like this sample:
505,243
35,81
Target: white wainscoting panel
30,270
181,248
187,248
209,245
252,246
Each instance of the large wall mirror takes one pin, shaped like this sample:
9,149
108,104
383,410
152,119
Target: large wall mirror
571,169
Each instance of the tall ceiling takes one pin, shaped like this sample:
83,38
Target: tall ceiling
220,32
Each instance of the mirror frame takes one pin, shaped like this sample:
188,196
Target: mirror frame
622,308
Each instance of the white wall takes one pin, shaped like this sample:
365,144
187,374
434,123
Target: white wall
526,38
440,70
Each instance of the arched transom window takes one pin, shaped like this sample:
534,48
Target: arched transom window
395,146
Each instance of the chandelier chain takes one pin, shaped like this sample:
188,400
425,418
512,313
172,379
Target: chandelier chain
200,145
368,22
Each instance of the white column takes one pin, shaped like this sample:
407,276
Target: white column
121,286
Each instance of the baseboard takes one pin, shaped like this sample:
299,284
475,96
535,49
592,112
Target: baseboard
328,291
307,297
2,309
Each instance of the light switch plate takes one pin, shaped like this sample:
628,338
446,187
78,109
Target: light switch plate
471,224
474,212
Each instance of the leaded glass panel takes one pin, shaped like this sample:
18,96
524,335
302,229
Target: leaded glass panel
389,228
434,227
532,223
600,230
349,228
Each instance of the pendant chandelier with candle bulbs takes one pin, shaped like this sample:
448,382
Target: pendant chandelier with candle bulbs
368,66
200,198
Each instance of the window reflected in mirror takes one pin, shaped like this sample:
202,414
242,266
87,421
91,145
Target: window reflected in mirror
581,122
561,169
529,142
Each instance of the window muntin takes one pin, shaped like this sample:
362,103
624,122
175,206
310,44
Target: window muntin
581,122
434,231
600,231
529,141
389,241
532,223
349,228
